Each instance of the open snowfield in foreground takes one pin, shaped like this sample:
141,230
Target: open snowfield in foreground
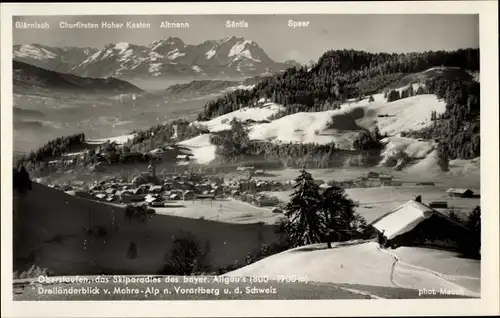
364,264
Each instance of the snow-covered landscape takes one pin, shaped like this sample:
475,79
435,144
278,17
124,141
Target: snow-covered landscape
355,174
337,126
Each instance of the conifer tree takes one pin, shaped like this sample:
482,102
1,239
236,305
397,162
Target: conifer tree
341,221
305,223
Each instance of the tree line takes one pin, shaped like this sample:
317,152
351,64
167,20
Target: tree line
37,160
338,75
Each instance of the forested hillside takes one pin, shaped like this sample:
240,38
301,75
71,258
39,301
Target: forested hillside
337,77
458,129
346,74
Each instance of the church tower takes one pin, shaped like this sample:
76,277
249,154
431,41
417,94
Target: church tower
152,168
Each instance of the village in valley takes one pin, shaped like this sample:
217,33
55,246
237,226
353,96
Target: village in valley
245,185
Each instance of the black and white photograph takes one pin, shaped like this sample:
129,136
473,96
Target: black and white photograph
246,157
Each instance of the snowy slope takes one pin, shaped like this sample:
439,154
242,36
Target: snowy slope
201,148
465,167
410,113
413,148
247,113
341,126
363,264
399,152
428,165
299,127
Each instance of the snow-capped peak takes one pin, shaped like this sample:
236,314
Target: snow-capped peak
242,49
121,46
231,56
34,51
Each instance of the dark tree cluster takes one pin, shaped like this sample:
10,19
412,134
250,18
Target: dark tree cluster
138,212
187,257
368,140
393,95
233,144
21,179
53,148
338,75
315,216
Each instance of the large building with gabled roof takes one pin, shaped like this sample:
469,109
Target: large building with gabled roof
415,223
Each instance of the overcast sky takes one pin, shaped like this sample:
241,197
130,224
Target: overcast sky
373,33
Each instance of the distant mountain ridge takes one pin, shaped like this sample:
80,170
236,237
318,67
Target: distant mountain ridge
208,88
32,76
51,58
171,57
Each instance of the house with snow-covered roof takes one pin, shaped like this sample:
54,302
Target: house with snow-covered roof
415,223
463,193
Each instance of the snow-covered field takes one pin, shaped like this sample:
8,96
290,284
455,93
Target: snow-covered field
299,127
254,113
374,202
232,211
365,264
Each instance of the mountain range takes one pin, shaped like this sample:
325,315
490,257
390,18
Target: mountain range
171,57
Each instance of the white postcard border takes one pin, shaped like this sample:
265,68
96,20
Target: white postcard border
488,304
